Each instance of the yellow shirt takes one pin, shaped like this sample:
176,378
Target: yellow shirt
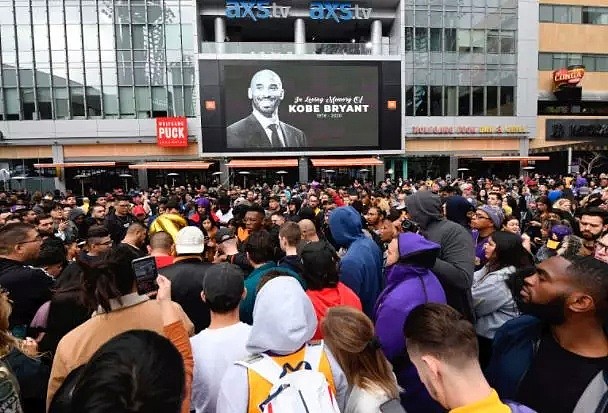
490,404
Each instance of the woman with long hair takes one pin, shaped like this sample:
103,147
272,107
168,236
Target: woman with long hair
349,335
492,299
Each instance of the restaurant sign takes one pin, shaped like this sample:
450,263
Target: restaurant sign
470,130
172,132
568,77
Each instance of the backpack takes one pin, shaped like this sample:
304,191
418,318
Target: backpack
295,389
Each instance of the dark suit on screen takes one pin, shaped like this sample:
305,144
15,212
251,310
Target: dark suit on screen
249,133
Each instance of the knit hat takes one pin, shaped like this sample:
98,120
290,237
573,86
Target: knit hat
557,235
494,213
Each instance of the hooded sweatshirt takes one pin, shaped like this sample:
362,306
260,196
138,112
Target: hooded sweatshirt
456,261
407,286
457,208
361,267
323,300
284,321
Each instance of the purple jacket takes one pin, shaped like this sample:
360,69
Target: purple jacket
407,286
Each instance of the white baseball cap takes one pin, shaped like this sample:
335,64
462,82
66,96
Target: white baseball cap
190,240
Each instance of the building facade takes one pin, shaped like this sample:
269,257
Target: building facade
86,81
572,81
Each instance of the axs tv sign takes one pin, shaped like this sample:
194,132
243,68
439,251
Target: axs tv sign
318,10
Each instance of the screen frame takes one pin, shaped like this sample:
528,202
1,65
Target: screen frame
384,141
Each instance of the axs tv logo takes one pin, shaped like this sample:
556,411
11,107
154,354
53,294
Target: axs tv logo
338,11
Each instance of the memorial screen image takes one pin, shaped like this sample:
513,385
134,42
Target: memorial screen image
275,105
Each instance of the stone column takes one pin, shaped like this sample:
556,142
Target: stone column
299,29
57,152
376,37
453,166
220,34
303,169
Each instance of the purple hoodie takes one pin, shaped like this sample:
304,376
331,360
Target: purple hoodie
407,286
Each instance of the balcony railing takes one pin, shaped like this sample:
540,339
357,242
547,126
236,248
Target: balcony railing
299,48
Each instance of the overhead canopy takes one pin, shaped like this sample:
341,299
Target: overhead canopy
75,165
172,165
515,158
345,162
262,163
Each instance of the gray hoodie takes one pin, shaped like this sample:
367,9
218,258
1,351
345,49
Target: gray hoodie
283,321
456,262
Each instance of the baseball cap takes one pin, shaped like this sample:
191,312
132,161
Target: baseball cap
223,286
138,210
223,234
190,240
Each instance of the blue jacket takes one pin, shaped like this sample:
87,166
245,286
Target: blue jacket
361,267
515,345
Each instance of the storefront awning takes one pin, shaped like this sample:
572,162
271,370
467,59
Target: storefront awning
514,158
262,163
172,165
345,162
75,165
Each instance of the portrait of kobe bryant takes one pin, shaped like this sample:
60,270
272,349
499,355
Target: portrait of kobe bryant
263,128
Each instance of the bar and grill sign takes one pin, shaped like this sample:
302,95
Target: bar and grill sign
172,132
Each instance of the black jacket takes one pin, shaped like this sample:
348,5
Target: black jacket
249,133
293,263
29,288
187,278
117,226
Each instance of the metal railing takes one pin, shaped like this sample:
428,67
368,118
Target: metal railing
298,48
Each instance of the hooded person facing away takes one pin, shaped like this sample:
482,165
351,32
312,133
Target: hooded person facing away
284,321
456,261
361,267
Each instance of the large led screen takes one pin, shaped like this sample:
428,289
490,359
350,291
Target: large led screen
296,105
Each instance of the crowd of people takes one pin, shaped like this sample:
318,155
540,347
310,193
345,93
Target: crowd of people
465,295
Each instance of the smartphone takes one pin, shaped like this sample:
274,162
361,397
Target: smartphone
145,274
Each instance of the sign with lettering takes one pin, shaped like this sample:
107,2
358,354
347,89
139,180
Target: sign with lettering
172,132
575,129
568,77
470,130
318,10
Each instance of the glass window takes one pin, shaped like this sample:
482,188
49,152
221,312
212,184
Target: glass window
173,37
141,74
58,37
451,101
576,14
187,37
409,39
43,78
409,101
11,98
26,77
93,102
24,38
106,37
493,42
478,41
93,75
138,13
45,109
91,40
159,99
492,101
450,40
575,59
123,37
56,14
436,101
60,74
110,101
545,13
9,77
127,100
507,42
89,14
421,100
478,100
6,14
41,37
143,103
436,19
61,103
421,39
589,62
77,104
464,101
139,39
545,61
507,101
27,102
108,73
74,36
178,101
464,41
189,101
23,15
595,15
561,14
560,60
125,75
601,63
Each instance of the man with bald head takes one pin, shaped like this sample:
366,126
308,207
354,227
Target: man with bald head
309,231
263,129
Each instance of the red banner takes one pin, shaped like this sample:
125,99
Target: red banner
172,132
